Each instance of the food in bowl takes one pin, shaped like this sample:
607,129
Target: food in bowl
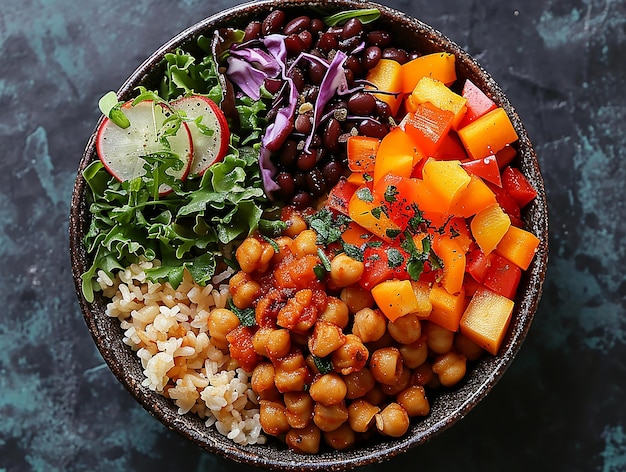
306,229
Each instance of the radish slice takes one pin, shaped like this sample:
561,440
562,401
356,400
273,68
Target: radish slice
121,150
207,149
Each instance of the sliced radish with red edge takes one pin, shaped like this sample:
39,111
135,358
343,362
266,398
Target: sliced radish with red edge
121,150
207,149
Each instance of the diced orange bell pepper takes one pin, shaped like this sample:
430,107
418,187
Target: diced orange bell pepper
398,196
428,126
436,92
518,246
447,180
476,197
447,307
486,319
361,152
422,294
427,201
488,134
453,257
368,212
438,65
359,178
489,227
356,235
397,154
395,298
386,76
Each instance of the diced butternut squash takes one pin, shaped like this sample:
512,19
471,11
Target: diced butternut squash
386,76
447,180
489,226
395,298
447,307
422,294
486,319
453,258
436,92
397,153
518,246
438,65
488,134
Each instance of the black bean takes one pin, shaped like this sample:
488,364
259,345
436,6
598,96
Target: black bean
252,31
304,123
287,185
327,42
349,76
298,78
361,103
317,25
398,55
371,56
332,172
383,110
301,200
353,63
413,55
373,129
316,183
297,25
317,72
273,22
379,38
353,27
307,39
294,44
307,160
299,179
287,155
331,135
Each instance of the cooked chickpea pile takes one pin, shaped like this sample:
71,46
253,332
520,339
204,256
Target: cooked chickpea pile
326,364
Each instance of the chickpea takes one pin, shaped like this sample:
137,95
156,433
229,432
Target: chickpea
278,343
254,255
305,440
423,374
361,415
467,347
392,421
351,356
244,290
326,337
406,330
403,382
273,418
375,395
359,383
440,340
336,312
450,368
415,354
263,377
272,395
260,340
386,365
305,243
295,224
345,271
299,409
355,297
341,438
292,373
369,324
328,389
284,244
385,341
329,418
221,322
413,400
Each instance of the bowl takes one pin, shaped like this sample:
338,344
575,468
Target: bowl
447,406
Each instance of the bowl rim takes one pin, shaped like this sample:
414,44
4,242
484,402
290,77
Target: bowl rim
117,354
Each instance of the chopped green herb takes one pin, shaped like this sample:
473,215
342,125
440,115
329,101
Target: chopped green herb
365,194
365,15
353,251
246,316
395,257
392,233
391,193
323,364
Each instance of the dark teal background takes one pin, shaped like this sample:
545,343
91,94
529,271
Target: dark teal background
560,407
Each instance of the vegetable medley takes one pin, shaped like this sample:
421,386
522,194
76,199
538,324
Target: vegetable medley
366,198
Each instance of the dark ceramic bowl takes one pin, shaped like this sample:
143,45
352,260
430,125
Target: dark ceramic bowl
448,406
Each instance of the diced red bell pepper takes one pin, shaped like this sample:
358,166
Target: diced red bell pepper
340,196
378,268
427,126
517,186
399,196
485,168
451,149
505,156
477,264
477,103
502,276
508,204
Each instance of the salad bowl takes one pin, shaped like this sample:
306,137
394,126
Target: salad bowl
449,405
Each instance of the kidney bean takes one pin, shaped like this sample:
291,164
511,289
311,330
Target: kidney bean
298,79
316,183
353,27
307,39
297,25
304,123
371,56
361,103
327,42
306,161
332,172
379,38
353,63
316,72
383,110
373,129
287,155
398,55
299,179
294,45
317,25
301,200
310,93
350,44
331,135
287,185
273,22
252,31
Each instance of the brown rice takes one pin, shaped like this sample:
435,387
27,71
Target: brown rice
168,330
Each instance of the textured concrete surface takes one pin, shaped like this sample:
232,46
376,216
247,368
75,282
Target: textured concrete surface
560,406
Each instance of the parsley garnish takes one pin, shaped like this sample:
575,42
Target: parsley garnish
246,317
323,364
365,195
353,251
328,226
394,258
391,193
